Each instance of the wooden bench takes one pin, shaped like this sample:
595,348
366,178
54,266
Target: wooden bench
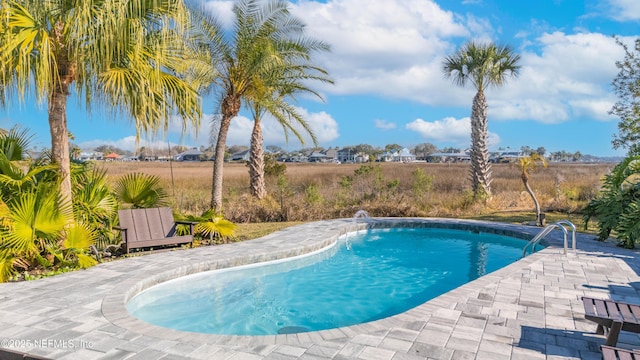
611,317
613,353
146,228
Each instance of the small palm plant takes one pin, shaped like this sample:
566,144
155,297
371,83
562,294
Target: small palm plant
210,224
528,164
140,191
94,204
37,228
78,237
215,225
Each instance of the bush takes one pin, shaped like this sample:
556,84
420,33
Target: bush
617,208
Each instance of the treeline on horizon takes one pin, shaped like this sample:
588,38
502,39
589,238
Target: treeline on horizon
420,150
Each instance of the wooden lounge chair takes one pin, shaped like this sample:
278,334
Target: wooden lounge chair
611,317
145,228
613,353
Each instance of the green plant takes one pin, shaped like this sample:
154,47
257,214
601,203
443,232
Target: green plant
313,195
284,194
272,167
140,190
210,224
526,165
422,183
130,56
38,230
94,203
616,207
482,65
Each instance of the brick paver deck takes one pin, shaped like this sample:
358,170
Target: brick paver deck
528,310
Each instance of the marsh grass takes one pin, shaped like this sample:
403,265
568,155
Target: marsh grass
323,191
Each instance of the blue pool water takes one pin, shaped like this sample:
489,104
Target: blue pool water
368,276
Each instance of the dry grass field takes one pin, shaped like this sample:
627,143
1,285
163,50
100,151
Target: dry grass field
321,191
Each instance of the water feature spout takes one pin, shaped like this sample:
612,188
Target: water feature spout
361,214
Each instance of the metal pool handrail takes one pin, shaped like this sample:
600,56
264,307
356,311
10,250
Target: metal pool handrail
547,230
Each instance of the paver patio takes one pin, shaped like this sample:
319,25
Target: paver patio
528,310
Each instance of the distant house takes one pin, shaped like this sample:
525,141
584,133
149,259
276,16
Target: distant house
86,156
111,157
508,157
189,155
318,157
241,156
385,157
332,154
349,155
404,156
449,157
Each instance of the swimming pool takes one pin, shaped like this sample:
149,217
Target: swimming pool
367,276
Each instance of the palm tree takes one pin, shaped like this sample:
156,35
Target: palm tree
281,84
76,152
124,54
94,204
37,227
482,65
263,38
528,164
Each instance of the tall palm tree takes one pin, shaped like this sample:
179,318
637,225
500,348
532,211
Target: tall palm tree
482,65
263,38
124,54
280,85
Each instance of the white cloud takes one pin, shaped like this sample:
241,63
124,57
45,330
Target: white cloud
383,124
321,123
324,127
624,10
449,130
126,143
568,77
395,50
392,48
223,10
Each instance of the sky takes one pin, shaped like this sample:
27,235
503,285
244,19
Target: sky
386,61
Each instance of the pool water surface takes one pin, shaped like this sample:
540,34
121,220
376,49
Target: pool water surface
366,276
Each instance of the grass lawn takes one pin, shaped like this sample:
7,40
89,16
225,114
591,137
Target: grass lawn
255,230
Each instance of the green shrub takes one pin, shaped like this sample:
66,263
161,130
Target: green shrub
617,206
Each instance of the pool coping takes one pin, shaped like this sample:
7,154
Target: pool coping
114,306
529,309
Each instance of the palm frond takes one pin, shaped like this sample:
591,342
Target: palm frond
79,236
140,190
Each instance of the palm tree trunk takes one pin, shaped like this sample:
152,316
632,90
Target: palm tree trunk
58,113
60,141
229,108
525,180
480,166
256,161
218,163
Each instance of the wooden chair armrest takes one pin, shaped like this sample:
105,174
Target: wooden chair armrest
124,233
190,223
